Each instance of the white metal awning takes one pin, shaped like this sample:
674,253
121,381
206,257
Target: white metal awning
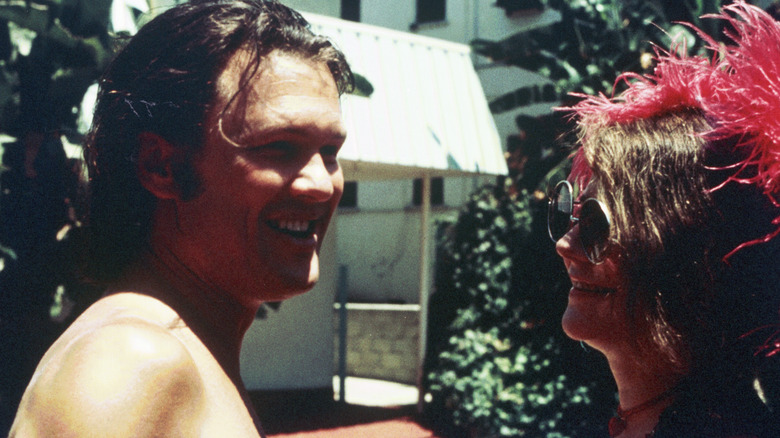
428,114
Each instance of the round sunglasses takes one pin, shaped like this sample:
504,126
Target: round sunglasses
593,219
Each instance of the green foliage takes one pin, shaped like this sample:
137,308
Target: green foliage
502,366
51,51
56,50
363,86
498,388
481,250
594,42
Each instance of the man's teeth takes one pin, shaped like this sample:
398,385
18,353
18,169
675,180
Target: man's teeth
296,226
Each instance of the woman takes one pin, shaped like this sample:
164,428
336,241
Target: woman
669,243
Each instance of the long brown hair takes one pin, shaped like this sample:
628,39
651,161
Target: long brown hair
672,230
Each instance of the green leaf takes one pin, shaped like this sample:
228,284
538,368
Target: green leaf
363,86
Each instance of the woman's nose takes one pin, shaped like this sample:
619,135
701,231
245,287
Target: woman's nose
568,246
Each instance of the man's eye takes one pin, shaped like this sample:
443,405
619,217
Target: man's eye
275,149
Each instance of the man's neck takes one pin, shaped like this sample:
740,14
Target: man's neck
213,315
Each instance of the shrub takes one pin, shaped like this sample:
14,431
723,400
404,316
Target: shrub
498,363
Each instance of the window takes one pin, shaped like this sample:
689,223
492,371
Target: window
349,198
350,10
512,6
431,11
437,191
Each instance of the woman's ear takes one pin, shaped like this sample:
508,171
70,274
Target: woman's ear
155,161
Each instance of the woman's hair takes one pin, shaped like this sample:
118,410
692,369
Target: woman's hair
686,161
163,82
672,233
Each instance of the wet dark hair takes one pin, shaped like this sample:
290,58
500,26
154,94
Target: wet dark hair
163,82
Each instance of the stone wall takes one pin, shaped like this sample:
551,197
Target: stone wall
381,341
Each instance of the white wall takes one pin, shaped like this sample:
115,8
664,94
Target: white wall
384,195
396,14
466,19
382,253
379,240
331,8
293,347
380,196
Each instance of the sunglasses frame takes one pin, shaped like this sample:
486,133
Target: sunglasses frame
595,251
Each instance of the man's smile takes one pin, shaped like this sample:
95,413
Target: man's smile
294,227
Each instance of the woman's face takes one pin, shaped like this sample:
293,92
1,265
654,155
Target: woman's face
596,311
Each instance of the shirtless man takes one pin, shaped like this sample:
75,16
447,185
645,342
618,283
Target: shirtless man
213,177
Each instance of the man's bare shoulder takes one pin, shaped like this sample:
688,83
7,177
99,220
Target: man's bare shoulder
120,368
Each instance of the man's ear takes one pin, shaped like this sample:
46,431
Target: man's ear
155,161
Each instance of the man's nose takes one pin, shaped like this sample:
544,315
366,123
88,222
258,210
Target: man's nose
315,180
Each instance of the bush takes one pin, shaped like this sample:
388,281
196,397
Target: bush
498,363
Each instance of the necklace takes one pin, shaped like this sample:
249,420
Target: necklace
619,422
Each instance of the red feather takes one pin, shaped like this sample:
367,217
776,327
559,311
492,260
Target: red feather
738,89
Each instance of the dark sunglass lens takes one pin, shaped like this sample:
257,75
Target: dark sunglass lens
594,229
559,214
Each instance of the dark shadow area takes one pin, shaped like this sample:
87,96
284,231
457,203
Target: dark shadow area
308,410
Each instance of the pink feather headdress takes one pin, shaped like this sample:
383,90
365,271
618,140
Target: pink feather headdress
738,90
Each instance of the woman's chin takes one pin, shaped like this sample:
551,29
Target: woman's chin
572,326
591,325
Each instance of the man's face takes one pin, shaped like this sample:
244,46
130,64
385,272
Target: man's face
270,184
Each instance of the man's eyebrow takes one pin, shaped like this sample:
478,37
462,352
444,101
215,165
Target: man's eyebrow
338,136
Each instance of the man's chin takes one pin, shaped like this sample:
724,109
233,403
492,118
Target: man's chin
291,289
300,290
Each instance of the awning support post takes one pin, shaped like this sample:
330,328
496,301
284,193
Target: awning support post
425,285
